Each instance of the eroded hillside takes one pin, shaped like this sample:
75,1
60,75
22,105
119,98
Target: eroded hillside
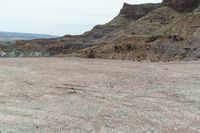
158,32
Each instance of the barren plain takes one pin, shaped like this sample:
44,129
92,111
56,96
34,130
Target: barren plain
75,95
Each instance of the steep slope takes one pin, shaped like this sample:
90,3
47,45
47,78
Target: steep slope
100,33
162,35
158,32
135,12
181,5
153,23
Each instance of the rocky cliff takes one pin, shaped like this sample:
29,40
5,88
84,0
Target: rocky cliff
181,5
137,11
158,32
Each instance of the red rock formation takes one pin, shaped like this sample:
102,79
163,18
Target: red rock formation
181,5
137,11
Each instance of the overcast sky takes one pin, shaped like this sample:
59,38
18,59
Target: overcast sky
58,17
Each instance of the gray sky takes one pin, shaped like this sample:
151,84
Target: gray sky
58,17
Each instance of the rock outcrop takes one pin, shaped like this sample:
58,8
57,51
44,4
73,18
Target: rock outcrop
137,11
181,5
165,31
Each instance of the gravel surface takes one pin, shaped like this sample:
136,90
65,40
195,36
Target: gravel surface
75,95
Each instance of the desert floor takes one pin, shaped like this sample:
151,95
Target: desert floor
75,95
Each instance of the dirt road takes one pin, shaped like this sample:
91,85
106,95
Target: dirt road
98,96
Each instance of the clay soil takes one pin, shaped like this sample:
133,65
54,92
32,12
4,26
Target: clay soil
75,95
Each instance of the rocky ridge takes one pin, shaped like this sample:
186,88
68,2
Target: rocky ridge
158,32
181,5
137,11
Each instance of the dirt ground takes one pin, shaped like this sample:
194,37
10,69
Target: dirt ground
73,95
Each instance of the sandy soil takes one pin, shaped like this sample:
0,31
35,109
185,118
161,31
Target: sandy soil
98,96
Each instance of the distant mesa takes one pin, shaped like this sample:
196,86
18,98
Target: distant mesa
8,36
